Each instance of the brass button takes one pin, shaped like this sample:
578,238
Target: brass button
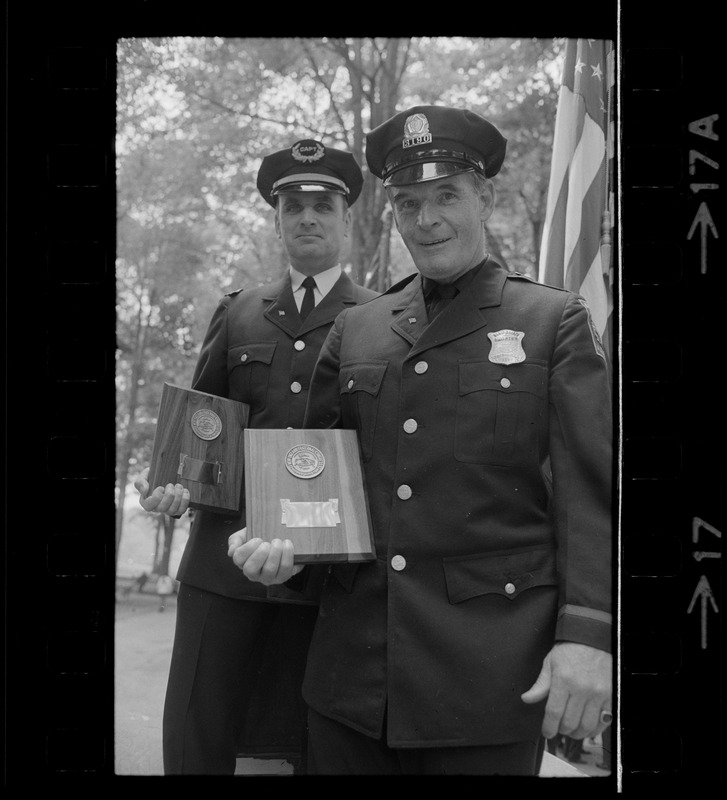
404,492
243,357
509,588
295,387
505,382
350,384
299,345
421,367
398,563
411,425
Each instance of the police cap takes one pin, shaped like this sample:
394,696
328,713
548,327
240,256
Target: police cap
309,166
425,143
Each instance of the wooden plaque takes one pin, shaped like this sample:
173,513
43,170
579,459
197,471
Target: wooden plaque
199,443
308,486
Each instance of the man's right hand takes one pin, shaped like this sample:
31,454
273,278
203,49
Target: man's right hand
172,499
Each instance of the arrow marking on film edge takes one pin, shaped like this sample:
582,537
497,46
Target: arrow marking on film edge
704,592
704,219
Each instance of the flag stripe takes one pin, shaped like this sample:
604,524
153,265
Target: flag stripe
578,194
584,218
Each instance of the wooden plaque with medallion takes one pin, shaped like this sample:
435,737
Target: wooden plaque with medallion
308,486
199,443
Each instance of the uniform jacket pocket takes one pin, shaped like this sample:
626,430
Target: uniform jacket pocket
248,366
501,411
507,574
359,385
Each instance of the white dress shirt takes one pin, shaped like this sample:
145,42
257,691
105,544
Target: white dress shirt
324,284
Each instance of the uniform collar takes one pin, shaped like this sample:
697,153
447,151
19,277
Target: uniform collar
325,280
464,280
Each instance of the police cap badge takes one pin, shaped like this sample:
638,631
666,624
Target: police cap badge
425,143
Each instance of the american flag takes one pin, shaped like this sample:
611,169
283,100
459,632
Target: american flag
576,246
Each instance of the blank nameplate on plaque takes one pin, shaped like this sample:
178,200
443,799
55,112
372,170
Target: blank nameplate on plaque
308,486
199,443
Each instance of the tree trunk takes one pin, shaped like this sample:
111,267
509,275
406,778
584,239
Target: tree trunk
127,447
383,94
158,533
493,245
166,528
384,251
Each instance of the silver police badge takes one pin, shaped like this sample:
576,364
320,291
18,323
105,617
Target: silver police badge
416,131
307,152
206,424
304,461
506,347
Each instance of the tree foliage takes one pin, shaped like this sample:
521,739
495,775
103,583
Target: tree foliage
195,116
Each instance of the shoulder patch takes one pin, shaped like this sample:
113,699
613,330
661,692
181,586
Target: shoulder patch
597,343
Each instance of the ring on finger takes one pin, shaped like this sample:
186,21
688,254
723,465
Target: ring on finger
606,717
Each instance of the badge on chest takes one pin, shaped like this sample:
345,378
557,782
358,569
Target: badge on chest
506,347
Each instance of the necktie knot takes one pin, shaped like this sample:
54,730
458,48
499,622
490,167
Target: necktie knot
309,282
446,291
438,297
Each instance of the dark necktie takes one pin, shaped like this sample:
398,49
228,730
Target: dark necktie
309,302
440,297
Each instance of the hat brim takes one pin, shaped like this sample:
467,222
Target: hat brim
309,182
425,171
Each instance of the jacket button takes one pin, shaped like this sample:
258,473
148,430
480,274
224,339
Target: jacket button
510,588
243,357
421,367
404,492
398,563
299,345
295,387
411,425
505,383
350,384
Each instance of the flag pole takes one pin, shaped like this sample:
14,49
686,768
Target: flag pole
606,220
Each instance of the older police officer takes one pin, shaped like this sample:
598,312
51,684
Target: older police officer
482,405
234,637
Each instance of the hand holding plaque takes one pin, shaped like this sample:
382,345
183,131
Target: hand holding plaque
198,443
308,486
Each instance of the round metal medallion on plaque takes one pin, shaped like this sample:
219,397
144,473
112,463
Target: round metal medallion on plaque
206,424
304,461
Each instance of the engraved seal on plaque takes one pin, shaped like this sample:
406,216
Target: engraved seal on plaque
304,461
206,424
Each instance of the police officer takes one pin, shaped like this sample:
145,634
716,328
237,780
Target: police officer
260,348
482,405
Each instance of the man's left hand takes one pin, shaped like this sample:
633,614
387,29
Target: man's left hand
269,563
577,680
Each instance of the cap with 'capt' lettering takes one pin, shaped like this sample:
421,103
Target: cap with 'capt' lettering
429,142
309,166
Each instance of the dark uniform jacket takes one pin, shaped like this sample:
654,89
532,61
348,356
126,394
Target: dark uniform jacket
257,351
481,564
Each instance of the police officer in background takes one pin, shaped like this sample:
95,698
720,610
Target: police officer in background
234,637
483,409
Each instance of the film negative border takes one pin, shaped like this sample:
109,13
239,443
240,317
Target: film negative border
671,673
61,406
